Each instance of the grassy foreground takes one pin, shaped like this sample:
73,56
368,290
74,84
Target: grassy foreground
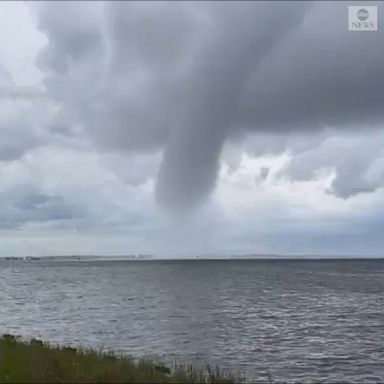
37,362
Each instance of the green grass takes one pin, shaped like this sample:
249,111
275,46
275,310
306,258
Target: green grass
37,362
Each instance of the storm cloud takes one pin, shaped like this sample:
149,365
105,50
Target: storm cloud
241,116
187,77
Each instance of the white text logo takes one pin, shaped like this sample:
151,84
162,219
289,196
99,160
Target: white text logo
362,18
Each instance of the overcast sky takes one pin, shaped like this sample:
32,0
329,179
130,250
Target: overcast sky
183,128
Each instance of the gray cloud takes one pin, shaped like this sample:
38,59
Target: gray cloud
146,101
24,206
5,77
358,161
322,75
14,92
187,77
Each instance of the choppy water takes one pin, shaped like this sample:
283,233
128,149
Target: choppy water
297,320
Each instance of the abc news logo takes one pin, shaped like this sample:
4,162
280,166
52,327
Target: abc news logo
362,18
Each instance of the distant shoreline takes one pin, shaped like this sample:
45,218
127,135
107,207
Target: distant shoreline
188,259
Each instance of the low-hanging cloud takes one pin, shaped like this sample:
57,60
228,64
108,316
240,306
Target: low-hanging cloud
186,77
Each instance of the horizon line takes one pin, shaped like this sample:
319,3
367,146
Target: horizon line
150,257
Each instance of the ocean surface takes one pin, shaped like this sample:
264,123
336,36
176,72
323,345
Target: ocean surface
289,320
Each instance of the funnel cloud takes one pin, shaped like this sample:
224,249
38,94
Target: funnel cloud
186,77
247,116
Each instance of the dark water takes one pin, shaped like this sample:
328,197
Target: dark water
297,320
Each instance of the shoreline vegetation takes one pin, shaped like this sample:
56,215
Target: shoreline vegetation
35,361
